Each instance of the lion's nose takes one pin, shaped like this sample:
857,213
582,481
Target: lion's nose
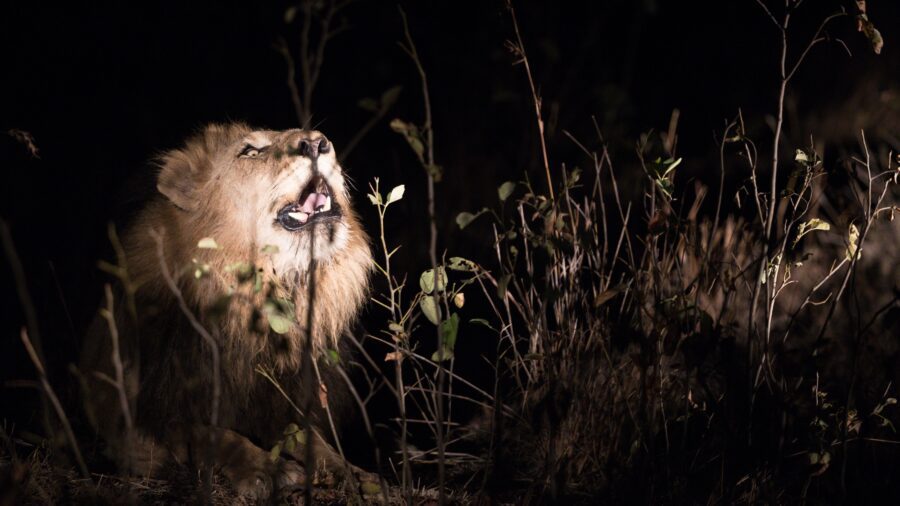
312,148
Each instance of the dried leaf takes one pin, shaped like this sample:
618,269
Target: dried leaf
27,140
852,240
501,286
394,355
323,395
605,297
810,226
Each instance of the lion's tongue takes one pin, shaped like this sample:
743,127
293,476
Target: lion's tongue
314,201
309,205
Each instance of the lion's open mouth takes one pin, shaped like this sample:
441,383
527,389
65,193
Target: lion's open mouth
315,204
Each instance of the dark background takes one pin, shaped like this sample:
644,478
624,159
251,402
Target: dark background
103,88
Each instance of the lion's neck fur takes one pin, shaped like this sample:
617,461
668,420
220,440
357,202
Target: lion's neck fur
246,340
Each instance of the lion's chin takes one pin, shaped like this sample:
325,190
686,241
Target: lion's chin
315,204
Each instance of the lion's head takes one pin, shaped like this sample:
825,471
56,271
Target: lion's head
277,200
254,188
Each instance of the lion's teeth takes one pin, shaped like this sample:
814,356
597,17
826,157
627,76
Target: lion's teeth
301,217
327,206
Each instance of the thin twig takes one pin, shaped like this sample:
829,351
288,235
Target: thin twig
109,315
519,49
54,400
430,167
213,345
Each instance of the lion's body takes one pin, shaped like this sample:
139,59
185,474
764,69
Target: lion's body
213,190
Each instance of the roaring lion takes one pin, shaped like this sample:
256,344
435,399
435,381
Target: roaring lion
202,359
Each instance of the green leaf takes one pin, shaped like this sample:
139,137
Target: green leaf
670,165
374,198
370,488
333,357
430,309
395,327
368,104
442,354
280,314
400,126
665,185
390,96
463,219
290,444
395,194
483,322
275,452
291,428
279,323
505,190
449,330
289,14
428,283
207,243
801,157
436,171
416,144
269,249
462,264
257,281
201,269
411,133
242,271
217,309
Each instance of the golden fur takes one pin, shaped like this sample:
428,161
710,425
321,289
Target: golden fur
209,189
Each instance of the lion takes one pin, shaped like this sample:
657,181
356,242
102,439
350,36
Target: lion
218,271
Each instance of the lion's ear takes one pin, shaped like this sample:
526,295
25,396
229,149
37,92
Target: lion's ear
178,180
185,170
